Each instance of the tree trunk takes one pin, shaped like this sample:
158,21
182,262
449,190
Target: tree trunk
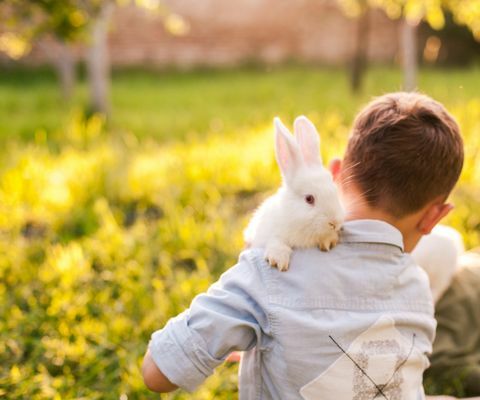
409,54
359,61
98,67
61,57
65,65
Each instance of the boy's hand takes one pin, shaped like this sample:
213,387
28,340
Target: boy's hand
154,378
234,357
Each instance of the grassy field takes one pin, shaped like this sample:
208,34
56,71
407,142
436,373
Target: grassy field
109,229
171,105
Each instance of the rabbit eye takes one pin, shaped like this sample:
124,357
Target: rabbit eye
310,199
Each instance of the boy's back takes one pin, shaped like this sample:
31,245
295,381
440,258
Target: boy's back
346,323
353,323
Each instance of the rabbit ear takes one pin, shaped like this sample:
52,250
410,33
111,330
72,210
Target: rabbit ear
308,140
286,150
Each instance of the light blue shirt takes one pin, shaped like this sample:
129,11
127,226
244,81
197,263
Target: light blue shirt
352,323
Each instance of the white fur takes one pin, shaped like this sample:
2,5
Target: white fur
439,254
285,220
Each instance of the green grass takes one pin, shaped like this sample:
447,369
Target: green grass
106,231
172,105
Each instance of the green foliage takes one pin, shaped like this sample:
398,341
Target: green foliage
104,235
465,12
23,21
27,20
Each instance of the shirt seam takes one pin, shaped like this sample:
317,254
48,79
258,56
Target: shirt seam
350,305
257,262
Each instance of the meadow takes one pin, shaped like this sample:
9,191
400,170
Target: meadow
109,228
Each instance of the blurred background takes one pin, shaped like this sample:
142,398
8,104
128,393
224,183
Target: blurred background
136,140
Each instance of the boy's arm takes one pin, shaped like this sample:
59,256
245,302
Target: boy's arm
230,316
154,378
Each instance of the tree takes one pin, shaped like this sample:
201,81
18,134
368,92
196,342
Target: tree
97,60
409,50
25,21
68,21
98,65
465,12
71,21
412,12
359,10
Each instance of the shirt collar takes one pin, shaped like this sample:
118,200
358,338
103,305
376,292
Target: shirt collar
371,231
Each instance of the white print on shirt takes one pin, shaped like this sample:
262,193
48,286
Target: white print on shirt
380,364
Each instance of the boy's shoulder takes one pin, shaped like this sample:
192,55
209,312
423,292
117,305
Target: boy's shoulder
349,276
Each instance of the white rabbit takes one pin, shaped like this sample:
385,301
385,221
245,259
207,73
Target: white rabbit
306,210
440,254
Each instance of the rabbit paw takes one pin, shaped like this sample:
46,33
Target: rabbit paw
278,255
328,242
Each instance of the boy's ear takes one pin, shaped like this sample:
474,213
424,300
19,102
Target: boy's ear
335,168
432,216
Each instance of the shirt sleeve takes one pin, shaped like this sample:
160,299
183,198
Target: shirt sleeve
230,316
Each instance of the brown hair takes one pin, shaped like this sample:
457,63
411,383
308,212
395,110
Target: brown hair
404,151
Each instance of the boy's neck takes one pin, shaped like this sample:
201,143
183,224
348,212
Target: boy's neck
359,209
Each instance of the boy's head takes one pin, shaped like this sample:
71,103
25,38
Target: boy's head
405,151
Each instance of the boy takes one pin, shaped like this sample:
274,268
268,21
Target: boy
352,323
